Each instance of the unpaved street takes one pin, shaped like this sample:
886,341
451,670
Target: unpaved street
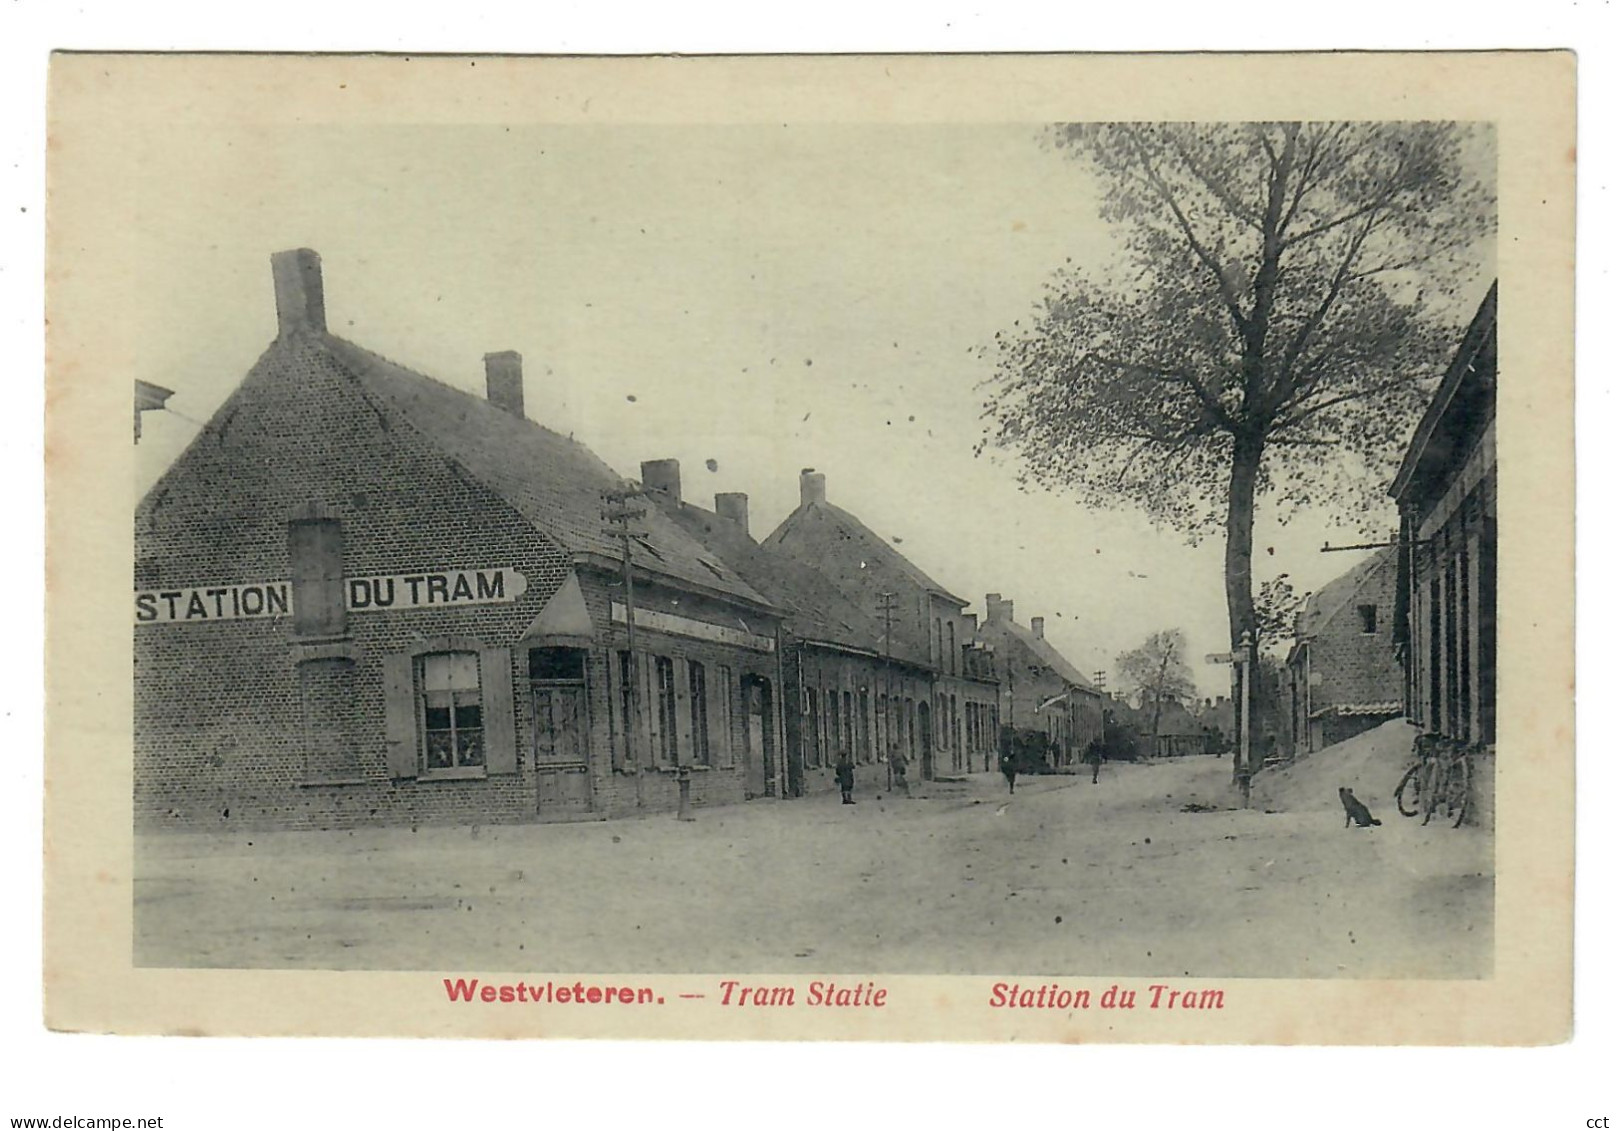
1066,877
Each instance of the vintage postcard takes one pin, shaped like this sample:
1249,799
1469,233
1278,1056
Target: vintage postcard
893,548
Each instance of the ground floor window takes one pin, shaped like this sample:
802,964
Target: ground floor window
667,740
698,680
451,706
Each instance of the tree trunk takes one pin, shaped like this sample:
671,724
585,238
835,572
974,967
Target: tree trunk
1239,566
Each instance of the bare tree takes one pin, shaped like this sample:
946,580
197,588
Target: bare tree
1157,673
1285,298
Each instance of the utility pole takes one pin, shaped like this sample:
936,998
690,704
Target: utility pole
618,516
1100,679
888,605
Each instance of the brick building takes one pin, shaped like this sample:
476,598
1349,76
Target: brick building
363,596
1040,690
1342,673
843,691
956,725
1446,491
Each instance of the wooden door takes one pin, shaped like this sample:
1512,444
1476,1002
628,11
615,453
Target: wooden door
756,754
561,749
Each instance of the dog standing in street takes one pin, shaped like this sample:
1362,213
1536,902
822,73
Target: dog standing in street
1355,811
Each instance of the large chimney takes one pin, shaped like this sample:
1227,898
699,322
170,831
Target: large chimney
300,301
811,487
1037,625
734,506
662,476
996,609
503,379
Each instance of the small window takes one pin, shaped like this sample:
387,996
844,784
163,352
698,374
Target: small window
1368,618
451,711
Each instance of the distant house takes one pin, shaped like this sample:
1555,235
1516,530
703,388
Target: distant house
925,626
1040,689
1342,673
1179,734
1446,490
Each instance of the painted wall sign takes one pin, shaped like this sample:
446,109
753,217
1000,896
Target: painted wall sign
361,594
677,625
432,590
220,602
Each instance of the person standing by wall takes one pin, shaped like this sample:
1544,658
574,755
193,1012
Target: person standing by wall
845,774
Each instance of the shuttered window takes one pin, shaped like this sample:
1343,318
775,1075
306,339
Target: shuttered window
450,713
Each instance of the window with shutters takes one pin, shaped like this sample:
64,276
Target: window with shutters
450,701
667,740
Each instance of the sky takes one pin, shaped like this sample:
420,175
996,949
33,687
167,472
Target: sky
768,298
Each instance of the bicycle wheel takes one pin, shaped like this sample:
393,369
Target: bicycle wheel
1433,787
1458,790
1408,794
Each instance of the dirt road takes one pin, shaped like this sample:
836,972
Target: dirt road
1063,878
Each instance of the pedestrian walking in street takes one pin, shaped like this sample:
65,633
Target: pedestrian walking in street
1094,755
1009,769
845,773
897,762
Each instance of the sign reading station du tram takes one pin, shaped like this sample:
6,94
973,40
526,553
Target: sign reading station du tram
361,594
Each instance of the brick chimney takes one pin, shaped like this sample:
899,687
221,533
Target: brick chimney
996,609
1037,625
734,506
300,300
662,476
503,379
972,623
811,487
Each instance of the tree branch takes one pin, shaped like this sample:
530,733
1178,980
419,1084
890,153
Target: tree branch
1167,195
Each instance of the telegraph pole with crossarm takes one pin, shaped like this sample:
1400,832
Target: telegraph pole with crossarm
618,522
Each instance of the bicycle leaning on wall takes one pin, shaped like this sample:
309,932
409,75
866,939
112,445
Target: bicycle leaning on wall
1439,781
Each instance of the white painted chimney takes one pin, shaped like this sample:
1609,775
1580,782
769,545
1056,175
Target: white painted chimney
1037,625
503,380
300,300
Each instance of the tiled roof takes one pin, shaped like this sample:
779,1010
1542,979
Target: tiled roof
817,610
1040,649
853,530
551,480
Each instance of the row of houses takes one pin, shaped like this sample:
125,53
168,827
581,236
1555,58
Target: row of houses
1410,631
364,596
